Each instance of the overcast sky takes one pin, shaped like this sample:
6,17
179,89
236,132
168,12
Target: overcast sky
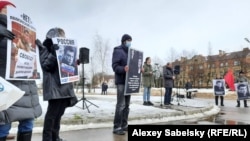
156,26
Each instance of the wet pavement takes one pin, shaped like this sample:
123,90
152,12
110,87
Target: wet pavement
228,115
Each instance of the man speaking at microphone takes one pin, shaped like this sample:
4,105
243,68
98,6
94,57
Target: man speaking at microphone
168,75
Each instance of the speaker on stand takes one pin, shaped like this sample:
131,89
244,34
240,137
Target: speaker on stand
178,95
84,59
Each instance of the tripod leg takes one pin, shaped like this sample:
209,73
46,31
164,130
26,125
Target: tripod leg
92,103
86,106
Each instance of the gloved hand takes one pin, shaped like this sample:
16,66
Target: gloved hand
39,44
53,49
78,62
4,32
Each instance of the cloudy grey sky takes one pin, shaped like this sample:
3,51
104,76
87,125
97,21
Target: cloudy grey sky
155,25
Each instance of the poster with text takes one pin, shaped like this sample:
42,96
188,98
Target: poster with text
242,90
219,87
133,76
66,57
22,54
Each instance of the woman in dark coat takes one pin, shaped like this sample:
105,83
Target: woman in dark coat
58,95
27,108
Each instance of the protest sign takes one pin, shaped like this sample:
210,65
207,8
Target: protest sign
66,57
22,53
133,76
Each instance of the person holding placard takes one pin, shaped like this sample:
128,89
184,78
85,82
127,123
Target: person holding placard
27,108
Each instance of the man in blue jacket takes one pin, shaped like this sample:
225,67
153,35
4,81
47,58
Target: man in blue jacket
120,67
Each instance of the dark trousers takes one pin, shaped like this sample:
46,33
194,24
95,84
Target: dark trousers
55,110
122,108
221,100
245,103
167,96
188,95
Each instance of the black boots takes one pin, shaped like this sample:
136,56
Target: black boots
148,103
238,103
3,139
216,100
221,101
245,103
25,136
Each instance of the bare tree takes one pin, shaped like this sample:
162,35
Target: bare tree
101,54
172,55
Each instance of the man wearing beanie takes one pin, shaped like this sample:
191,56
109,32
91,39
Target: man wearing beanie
120,67
27,108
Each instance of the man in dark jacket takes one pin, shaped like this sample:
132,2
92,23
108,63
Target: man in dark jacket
58,95
240,79
120,67
169,77
27,108
188,86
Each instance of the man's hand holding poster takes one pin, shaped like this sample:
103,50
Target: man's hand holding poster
133,76
66,53
22,53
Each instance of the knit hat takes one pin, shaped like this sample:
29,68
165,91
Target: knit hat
4,3
126,37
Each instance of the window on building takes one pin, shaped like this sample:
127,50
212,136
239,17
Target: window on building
236,63
221,64
226,64
201,67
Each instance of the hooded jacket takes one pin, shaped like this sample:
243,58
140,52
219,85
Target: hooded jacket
28,106
52,88
148,79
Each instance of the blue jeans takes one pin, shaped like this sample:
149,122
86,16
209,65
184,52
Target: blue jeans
167,96
146,94
122,108
24,126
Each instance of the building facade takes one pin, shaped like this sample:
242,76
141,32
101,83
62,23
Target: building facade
201,70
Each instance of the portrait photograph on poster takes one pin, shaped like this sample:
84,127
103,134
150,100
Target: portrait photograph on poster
242,90
133,76
219,87
66,57
23,55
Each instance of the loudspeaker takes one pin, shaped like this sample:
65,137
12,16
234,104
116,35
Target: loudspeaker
84,55
177,69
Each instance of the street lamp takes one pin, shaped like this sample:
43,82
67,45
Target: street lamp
246,39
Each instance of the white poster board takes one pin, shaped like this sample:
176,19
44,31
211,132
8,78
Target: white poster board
22,54
219,87
9,94
242,90
66,58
